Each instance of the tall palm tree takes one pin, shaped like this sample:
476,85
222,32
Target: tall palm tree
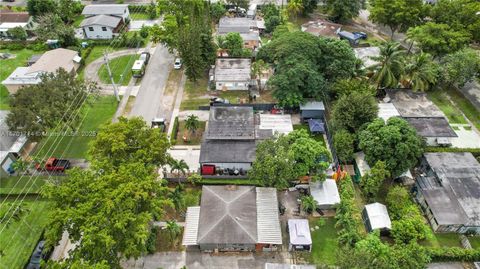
177,197
258,68
173,228
308,203
178,165
192,123
294,7
389,67
420,72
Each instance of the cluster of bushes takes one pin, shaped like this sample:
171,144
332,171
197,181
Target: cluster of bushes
151,243
173,136
271,15
150,10
453,254
35,46
345,215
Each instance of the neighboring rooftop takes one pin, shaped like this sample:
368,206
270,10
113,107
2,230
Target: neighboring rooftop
365,55
281,124
227,151
10,16
52,60
413,104
313,105
325,193
453,194
104,10
232,122
268,222
321,28
233,69
236,25
387,110
9,141
103,20
378,216
299,232
432,127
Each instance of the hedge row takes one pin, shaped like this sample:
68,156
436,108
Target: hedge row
173,135
19,45
474,151
453,254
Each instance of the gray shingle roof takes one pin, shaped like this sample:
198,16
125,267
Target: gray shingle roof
104,10
102,20
227,151
232,122
432,127
233,69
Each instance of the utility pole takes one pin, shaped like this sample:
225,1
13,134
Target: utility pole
115,90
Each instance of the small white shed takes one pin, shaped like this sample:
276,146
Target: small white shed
375,217
325,193
300,238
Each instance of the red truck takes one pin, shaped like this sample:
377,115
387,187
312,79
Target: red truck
54,165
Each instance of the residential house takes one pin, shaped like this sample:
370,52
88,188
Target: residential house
11,146
299,232
120,11
248,29
234,218
49,62
231,138
448,191
375,217
322,28
325,194
101,27
232,74
10,19
423,115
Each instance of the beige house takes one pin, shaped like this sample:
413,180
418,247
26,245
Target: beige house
50,62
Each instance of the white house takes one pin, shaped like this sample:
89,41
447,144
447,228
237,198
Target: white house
11,146
232,74
10,19
101,27
120,11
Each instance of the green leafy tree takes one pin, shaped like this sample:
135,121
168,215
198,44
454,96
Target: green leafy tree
233,43
344,143
180,166
308,204
177,197
373,180
128,140
295,7
397,14
421,72
107,215
17,33
460,67
152,10
389,67
343,10
407,229
192,123
346,221
167,33
348,86
352,111
461,15
271,23
76,264
438,39
309,6
144,31
411,256
173,229
68,9
217,10
37,108
396,143
398,199
40,7
194,179
51,26
258,69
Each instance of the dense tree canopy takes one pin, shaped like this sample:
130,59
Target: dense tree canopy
37,108
348,86
389,67
17,33
395,142
344,144
373,180
420,72
343,10
397,14
233,44
460,67
40,7
438,39
352,111
51,26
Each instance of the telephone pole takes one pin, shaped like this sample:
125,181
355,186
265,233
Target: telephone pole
115,90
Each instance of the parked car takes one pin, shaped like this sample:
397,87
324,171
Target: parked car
178,63
37,256
218,100
360,35
54,165
145,56
138,68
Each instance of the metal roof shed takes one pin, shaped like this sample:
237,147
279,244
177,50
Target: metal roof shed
312,110
316,126
325,193
191,226
375,217
268,222
300,238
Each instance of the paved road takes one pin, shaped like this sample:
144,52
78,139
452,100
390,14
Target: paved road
149,98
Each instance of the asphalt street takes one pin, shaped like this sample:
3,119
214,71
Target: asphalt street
149,98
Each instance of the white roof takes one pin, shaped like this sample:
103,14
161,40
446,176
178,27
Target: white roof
387,110
9,25
268,222
137,65
313,105
278,123
378,216
325,193
361,163
191,226
22,76
299,231
104,10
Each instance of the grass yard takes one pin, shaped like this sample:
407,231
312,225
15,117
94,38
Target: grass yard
474,241
174,78
22,185
449,109
77,21
96,53
165,242
324,241
20,237
121,70
466,107
441,240
8,66
99,113
192,139
139,16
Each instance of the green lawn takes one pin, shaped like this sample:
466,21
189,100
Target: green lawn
449,109
120,66
441,240
78,19
193,139
19,239
99,113
25,184
8,66
475,241
96,53
325,246
466,107
139,16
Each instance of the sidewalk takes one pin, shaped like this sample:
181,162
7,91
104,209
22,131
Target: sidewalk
176,107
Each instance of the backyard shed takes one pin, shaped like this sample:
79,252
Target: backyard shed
316,126
325,193
300,238
375,217
312,110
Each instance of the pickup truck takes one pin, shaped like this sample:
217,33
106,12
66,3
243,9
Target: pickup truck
55,165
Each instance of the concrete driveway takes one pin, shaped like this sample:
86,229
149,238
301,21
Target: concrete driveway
149,98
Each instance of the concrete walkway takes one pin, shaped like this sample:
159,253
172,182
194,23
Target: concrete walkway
178,102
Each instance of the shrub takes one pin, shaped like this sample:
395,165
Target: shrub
346,221
37,46
454,254
151,242
144,31
173,135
